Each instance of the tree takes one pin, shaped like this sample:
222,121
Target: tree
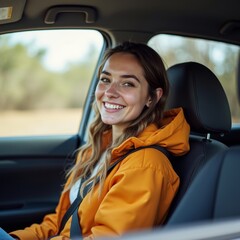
26,83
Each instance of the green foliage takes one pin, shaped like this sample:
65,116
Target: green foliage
26,83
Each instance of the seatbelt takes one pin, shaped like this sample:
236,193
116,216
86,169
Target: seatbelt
75,230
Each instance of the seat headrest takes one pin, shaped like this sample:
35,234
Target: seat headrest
197,90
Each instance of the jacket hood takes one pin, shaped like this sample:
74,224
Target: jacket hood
173,135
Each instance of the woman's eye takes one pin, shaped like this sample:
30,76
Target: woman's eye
104,80
128,84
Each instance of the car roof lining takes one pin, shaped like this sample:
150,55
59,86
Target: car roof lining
150,17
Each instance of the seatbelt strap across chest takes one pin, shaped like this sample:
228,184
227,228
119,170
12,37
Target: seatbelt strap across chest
75,230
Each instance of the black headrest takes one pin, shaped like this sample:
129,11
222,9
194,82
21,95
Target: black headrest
197,90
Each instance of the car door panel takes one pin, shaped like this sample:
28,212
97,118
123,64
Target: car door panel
32,174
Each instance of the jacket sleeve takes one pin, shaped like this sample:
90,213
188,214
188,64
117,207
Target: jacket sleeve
49,225
138,198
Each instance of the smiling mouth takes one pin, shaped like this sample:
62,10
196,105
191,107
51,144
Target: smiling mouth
112,106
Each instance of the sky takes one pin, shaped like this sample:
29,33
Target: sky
64,46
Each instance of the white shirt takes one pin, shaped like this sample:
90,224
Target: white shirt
74,190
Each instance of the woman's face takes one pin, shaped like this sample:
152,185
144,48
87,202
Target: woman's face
122,90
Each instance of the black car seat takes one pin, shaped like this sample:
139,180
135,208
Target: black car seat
198,91
215,193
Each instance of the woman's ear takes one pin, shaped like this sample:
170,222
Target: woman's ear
159,93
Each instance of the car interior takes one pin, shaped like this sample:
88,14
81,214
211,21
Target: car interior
200,45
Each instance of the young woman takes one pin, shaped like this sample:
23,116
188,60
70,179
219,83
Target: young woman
129,105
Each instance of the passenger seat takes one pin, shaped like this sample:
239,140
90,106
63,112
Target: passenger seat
197,90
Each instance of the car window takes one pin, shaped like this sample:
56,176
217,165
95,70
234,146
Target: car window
44,79
221,58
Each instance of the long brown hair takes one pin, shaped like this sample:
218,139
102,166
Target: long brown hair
90,153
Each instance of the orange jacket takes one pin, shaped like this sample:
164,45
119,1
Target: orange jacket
136,194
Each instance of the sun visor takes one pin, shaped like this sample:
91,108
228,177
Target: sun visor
11,11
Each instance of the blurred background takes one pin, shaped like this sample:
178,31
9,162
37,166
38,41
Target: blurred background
45,75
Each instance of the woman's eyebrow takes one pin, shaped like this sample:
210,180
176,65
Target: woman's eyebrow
105,72
130,76
122,76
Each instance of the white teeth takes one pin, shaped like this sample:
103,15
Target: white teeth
112,106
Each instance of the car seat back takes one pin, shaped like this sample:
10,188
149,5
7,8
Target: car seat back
215,193
198,91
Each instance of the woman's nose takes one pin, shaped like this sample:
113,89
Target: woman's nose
112,90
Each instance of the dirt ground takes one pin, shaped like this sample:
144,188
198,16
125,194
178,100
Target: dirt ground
39,122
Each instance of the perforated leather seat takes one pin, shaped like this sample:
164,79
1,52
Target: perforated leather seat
198,91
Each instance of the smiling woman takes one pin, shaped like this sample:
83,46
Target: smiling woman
102,193
44,80
122,91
